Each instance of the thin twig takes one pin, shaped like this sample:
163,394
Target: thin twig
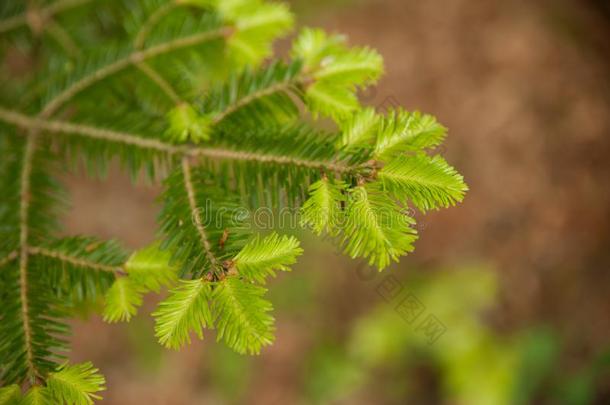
143,33
152,20
24,207
76,261
140,141
254,96
190,191
9,258
133,58
160,81
220,153
24,198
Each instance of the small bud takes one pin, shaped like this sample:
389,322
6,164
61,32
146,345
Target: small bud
223,239
185,124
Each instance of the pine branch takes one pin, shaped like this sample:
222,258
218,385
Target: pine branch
359,66
322,211
132,58
229,131
254,98
160,81
337,70
257,25
375,228
276,88
143,142
185,310
219,153
360,129
200,223
37,395
428,182
188,185
43,332
261,258
143,33
403,131
147,270
76,261
54,126
153,20
328,99
150,268
242,315
29,334
32,371
79,269
75,384
122,300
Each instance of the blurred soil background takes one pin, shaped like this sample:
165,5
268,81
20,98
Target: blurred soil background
518,274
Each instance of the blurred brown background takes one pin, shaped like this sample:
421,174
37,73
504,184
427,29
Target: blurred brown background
524,87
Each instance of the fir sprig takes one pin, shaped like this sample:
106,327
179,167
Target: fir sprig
186,91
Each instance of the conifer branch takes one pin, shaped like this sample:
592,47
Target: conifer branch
244,142
160,82
277,79
278,87
140,141
220,153
228,285
54,126
24,199
77,261
131,59
190,191
75,384
152,20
